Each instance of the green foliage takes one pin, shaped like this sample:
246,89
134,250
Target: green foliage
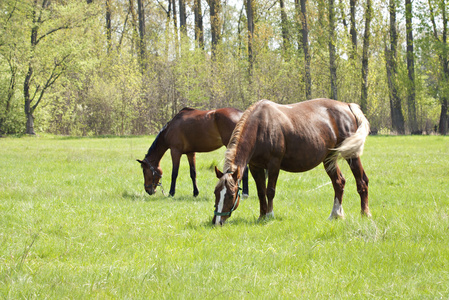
76,223
106,91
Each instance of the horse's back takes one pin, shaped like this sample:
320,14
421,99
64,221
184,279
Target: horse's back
302,134
193,130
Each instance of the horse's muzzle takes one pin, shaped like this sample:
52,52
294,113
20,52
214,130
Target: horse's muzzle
219,222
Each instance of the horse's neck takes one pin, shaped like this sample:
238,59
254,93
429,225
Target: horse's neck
157,150
242,153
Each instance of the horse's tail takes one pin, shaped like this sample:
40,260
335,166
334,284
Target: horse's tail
352,146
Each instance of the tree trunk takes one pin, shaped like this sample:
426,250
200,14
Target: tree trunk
214,23
444,61
411,98
27,82
135,34
332,51
365,56
142,45
250,24
397,118
305,47
182,16
198,24
284,25
353,30
443,124
175,25
108,26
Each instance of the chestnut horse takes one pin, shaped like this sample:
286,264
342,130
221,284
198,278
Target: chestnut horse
294,138
188,132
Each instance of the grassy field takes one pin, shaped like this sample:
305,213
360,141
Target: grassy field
75,223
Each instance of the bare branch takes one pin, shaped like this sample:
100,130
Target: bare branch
432,18
50,32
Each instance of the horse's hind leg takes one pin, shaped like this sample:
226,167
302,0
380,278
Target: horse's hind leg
191,158
362,183
338,182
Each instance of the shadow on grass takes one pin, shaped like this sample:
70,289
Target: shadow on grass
140,196
143,196
238,221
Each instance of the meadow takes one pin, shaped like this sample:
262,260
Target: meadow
75,223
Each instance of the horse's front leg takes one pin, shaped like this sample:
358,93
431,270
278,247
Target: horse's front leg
259,178
176,158
362,183
245,192
191,158
273,174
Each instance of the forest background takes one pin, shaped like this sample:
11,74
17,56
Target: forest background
126,67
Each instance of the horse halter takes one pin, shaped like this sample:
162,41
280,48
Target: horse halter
237,199
155,172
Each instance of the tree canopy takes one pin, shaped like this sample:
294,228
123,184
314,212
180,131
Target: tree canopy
127,66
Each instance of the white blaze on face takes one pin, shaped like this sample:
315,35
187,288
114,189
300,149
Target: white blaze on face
220,205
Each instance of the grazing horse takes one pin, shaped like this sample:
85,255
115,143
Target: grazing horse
190,131
294,138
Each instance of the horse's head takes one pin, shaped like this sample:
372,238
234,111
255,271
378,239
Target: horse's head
227,195
152,176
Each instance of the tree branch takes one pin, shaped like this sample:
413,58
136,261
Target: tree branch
432,18
51,31
52,79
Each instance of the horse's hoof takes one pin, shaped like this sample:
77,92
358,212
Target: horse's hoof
244,196
270,215
266,217
366,214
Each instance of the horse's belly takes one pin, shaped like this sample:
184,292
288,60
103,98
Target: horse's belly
298,167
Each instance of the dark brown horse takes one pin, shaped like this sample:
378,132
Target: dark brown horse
294,138
188,132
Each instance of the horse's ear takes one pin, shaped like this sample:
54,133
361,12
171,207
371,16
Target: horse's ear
139,161
218,173
236,174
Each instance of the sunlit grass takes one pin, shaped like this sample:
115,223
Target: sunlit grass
76,223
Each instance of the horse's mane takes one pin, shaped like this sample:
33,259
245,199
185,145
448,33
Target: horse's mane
153,146
235,139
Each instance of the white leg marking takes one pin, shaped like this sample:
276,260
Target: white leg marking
220,205
337,211
270,215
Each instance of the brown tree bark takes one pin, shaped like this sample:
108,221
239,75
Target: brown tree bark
214,10
199,38
142,44
305,47
250,25
353,28
443,57
284,26
182,16
365,56
108,25
332,51
411,95
397,118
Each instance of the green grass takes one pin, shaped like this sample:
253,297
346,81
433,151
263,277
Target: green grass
75,223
